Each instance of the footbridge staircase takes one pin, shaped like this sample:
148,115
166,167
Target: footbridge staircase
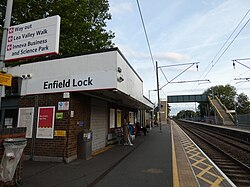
221,111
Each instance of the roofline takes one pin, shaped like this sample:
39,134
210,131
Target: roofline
46,58
148,99
118,50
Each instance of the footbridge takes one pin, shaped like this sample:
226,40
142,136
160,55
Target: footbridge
220,109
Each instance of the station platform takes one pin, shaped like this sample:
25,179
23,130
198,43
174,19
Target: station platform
191,166
162,158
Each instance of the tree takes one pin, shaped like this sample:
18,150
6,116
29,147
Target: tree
242,104
83,22
227,94
186,114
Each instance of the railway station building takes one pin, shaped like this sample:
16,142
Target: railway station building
59,99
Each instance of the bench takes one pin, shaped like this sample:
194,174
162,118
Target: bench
116,137
119,136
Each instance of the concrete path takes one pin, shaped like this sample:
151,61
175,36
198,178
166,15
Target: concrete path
147,163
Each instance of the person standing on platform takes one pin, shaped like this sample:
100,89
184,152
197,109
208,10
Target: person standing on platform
126,134
131,132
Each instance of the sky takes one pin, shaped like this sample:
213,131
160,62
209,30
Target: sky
181,32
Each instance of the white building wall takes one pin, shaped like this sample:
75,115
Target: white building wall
132,84
101,67
99,123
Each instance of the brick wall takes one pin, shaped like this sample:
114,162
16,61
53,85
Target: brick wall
46,147
80,104
58,146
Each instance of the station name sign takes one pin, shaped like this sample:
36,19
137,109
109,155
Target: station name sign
36,38
67,83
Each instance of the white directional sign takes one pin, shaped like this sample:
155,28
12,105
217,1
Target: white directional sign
36,38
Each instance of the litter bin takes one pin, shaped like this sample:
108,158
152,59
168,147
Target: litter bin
87,144
13,150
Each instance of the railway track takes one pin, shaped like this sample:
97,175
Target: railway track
231,156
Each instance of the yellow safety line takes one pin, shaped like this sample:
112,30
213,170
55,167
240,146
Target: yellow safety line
194,154
99,151
174,163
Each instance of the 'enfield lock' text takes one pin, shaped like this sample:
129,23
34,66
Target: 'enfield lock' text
66,83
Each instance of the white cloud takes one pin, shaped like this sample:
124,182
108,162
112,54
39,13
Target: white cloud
179,32
172,57
132,54
120,8
161,56
203,28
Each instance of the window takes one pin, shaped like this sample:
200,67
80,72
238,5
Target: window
131,118
112,118
15,89
118,118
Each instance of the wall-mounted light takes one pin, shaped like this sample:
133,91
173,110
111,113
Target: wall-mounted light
119,69
27,76
4,70
115,90
24,76
119,74
120,79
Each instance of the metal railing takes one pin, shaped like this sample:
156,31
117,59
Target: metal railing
225,108
217,110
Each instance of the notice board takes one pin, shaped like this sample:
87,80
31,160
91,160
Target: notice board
45,122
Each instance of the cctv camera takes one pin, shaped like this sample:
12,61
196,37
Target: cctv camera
4,70
24,76
119,70
120,79
29,76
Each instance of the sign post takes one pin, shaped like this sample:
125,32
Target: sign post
4,39
35,38
5,79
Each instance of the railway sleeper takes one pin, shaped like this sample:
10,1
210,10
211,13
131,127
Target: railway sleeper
223,162
238,176
236,172
242,182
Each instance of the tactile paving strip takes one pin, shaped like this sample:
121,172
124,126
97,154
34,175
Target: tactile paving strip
204,170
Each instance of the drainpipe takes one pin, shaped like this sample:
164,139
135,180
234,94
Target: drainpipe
33,141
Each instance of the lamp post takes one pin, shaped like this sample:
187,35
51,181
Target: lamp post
171,81
158,94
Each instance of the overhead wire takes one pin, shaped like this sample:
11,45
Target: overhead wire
238,77
147,39
177,76
242,64
145,32
164,74
227,40
214,63
227,47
